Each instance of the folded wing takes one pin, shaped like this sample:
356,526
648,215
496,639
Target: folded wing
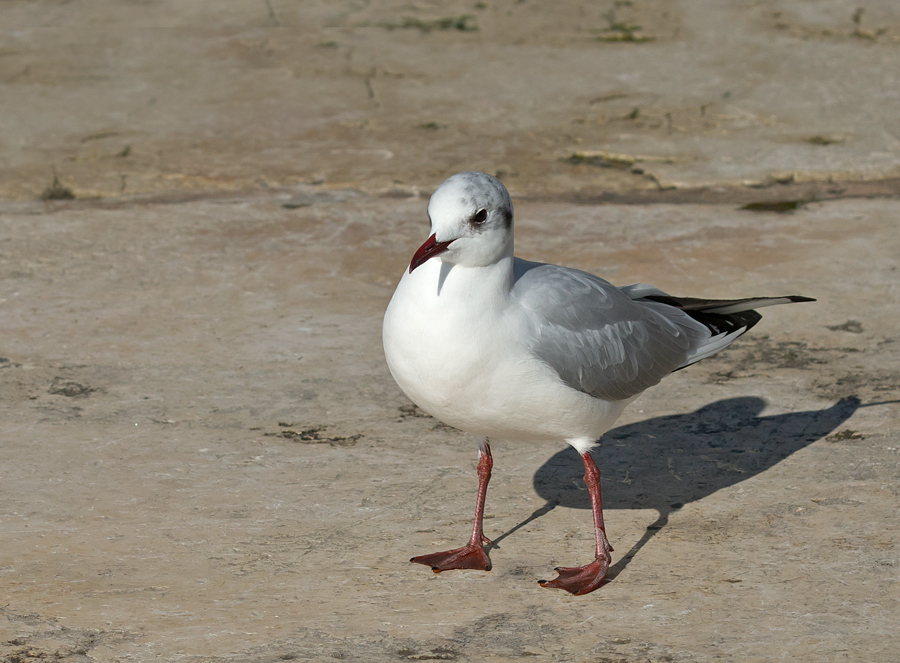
613,343
598,339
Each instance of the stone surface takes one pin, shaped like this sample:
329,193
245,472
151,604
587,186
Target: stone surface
203,457
586,97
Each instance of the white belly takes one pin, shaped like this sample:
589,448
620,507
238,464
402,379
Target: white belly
473,371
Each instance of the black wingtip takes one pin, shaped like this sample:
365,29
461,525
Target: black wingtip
796,299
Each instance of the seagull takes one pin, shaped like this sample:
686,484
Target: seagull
502,347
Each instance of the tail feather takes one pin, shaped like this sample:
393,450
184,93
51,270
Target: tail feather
726,319
726,306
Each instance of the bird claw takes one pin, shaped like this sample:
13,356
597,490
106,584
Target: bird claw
468,557
579,580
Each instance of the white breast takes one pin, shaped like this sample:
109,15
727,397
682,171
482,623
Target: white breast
458,355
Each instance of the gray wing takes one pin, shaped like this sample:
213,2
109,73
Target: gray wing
596,338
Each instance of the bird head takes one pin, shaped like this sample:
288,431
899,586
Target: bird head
471,222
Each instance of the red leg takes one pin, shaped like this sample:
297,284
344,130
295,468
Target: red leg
471,555
585,579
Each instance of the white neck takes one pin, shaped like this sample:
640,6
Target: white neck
492,281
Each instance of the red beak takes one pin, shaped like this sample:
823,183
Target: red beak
429,249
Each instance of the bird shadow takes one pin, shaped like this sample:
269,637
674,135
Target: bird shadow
666,462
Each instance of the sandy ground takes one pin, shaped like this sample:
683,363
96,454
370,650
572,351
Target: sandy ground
202,454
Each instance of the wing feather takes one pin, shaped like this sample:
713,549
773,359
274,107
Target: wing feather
595,337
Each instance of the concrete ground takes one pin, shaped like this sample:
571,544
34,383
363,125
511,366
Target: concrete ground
203,214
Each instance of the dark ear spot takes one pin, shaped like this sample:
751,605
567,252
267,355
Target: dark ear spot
506,215
479,217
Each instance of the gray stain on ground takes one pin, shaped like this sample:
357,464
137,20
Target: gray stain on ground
41,638
314,435
65,387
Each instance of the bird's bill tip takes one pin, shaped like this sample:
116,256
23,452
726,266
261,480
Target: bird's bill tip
428,250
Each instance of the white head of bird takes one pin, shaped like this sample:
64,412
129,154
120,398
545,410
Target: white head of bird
471,222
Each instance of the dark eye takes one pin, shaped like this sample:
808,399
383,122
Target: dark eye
479,216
